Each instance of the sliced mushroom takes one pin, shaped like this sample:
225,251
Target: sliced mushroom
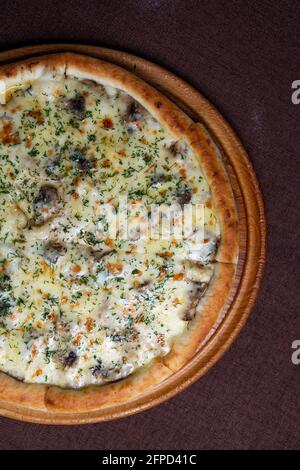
185,196
99,371
53,251
70,359
196,292
132,115
196,272
76,105
82,163
134,112
178,148
45,205
98,255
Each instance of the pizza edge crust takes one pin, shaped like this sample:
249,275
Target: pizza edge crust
210,310
56,399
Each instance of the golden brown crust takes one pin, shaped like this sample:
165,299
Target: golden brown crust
23,72
93,397
223,198
55,399
17,392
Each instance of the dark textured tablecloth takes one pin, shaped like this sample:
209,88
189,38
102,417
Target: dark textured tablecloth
244,56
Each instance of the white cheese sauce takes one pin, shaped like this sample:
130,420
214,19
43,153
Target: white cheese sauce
78,306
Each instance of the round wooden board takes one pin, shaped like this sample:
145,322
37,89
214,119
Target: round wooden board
252,221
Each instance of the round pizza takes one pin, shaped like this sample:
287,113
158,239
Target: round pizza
118,235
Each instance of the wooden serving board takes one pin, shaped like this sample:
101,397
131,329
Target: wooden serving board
252,222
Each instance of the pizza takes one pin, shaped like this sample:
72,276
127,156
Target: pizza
103,294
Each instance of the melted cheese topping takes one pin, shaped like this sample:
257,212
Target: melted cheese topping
77,305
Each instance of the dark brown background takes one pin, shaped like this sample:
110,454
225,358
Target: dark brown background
243,55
